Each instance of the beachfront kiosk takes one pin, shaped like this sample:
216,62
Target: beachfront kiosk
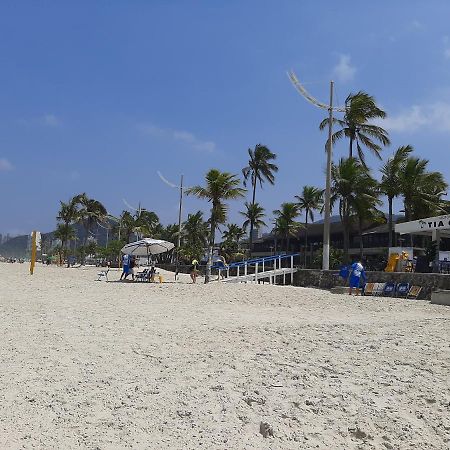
436,227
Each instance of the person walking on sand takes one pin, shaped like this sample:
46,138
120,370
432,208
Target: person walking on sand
194,270
356,273
125,266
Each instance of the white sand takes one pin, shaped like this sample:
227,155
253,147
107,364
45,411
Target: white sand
115,365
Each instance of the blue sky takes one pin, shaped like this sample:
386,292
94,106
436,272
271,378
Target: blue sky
99,96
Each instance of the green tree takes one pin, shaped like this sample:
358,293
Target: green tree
253,214
90,212
260,168
68,214
285,224
231,240
365,206
421,189
310,200
146,223
220,187
194,236
360,109
350,182
390,181
64,232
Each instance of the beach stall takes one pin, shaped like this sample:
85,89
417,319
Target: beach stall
436,227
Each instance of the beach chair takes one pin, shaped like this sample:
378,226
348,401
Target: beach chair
414,292
142,276
402,290
378,289
368,288
103,273
389,289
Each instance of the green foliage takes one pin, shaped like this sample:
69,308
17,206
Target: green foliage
336,258
220,187
260,168
285,224
360,109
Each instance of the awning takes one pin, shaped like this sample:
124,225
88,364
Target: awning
426,227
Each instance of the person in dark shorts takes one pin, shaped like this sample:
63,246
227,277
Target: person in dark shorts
194,270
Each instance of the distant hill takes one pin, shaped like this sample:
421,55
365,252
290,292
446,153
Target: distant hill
17,247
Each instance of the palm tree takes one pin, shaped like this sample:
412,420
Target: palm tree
232,237
146,223
360,108
68,214
365,205
194,236
260,168
91,211
390,183
285,224
351,183
220,186
310,200
253,214
422,190
64,232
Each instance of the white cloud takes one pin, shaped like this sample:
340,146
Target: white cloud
344,70
178,135
417,25
434,116
5,165
447,53
50,120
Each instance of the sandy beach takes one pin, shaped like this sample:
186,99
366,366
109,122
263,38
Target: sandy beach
99,365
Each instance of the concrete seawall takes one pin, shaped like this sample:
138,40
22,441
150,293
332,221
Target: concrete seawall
326,279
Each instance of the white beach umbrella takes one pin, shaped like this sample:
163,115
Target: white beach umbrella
147,246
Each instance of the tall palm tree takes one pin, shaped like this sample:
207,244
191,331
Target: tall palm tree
220,187
260,168
350,183
310,200
285,224
360,109
90,212
390,182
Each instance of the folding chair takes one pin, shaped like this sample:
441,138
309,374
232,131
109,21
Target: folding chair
389,289
378,289
142,276
368,288
414,292
103,273
402,289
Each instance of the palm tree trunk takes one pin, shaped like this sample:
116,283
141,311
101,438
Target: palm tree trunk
306,237
210,252
350,154
390,222
361,245
252,219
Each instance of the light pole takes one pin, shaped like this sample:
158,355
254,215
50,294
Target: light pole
327,209
180,217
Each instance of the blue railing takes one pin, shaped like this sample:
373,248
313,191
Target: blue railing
253,262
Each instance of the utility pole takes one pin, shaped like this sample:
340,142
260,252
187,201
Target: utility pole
180,214
327,209
326,222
